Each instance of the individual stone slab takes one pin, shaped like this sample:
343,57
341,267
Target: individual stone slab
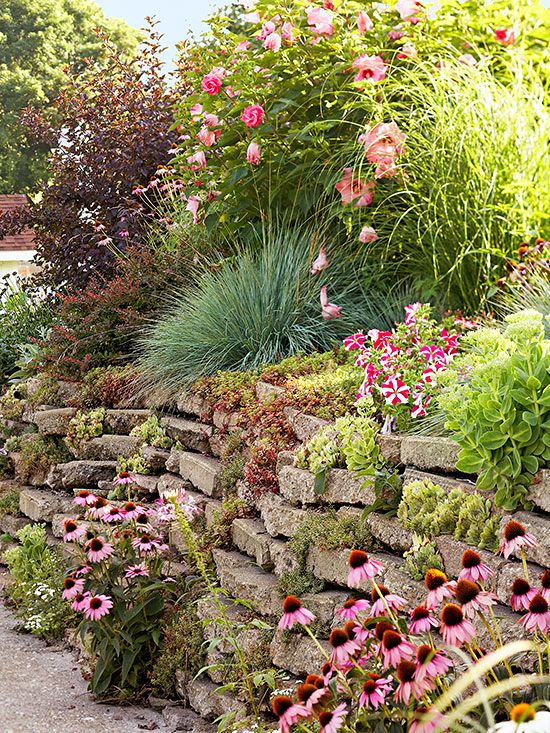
54,422
41,506
341,487
539,493
446,482
169,483
212,511
244,580
281,557
285,458
146,484
191,404
250,537
429,453
226,420
203,472
401,583
390,448
305,426
389,531
11,525
81,474
109,448
122,422
204,698
173,461
297,653
154,458
190,434
539,527
178,718
325,605
267,392
279,518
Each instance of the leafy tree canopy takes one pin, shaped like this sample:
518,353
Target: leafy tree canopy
38,40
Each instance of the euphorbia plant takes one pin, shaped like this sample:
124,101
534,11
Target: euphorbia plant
119,586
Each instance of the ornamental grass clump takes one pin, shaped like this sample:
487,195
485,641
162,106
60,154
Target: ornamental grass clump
119,588
393,668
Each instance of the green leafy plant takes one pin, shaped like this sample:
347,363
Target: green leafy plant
500,413
38,571
151,433
422,556
428,510
84,426
9,504
38,454
12,403
388,492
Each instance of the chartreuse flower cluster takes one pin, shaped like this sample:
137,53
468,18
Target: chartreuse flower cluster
391,667
499,406
429,510
118,587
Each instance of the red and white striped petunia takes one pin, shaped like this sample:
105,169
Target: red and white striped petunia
395,391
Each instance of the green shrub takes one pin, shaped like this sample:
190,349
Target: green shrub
499,414
256,309
112,386
38,573
12,404
9,504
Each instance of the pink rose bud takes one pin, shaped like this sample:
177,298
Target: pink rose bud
253,153
253,115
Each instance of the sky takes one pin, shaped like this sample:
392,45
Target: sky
176,17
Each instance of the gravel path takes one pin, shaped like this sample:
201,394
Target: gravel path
42,691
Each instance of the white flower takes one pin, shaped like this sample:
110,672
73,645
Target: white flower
533,721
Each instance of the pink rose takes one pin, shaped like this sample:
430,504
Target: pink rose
371,68
321,263
328,310
193,206
273,42
206,136
506,36
253,115
253,153
364,23
354,190
211,84
197,160
368,234
321,20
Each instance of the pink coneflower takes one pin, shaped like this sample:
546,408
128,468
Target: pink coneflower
406,674
395,647
422,620
545,585
383,599
352,607
332,720
96,509
98,549
294,613
81,570
342,647
80,601
133,571
455,629
375,690
72,530
288,712
427,720
97,606
328,671
124,477
363,568
473,569
515,537
146,544
142,522
431,663
538,616
131,510
522,594
113,514
438,586
84,498
72,587
472,599
313,694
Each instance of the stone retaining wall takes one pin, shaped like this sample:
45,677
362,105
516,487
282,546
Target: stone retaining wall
249,570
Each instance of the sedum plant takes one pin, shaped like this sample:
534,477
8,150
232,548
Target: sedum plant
499,408
84,426
151,433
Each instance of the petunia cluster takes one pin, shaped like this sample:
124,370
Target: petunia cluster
391,663
402,367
